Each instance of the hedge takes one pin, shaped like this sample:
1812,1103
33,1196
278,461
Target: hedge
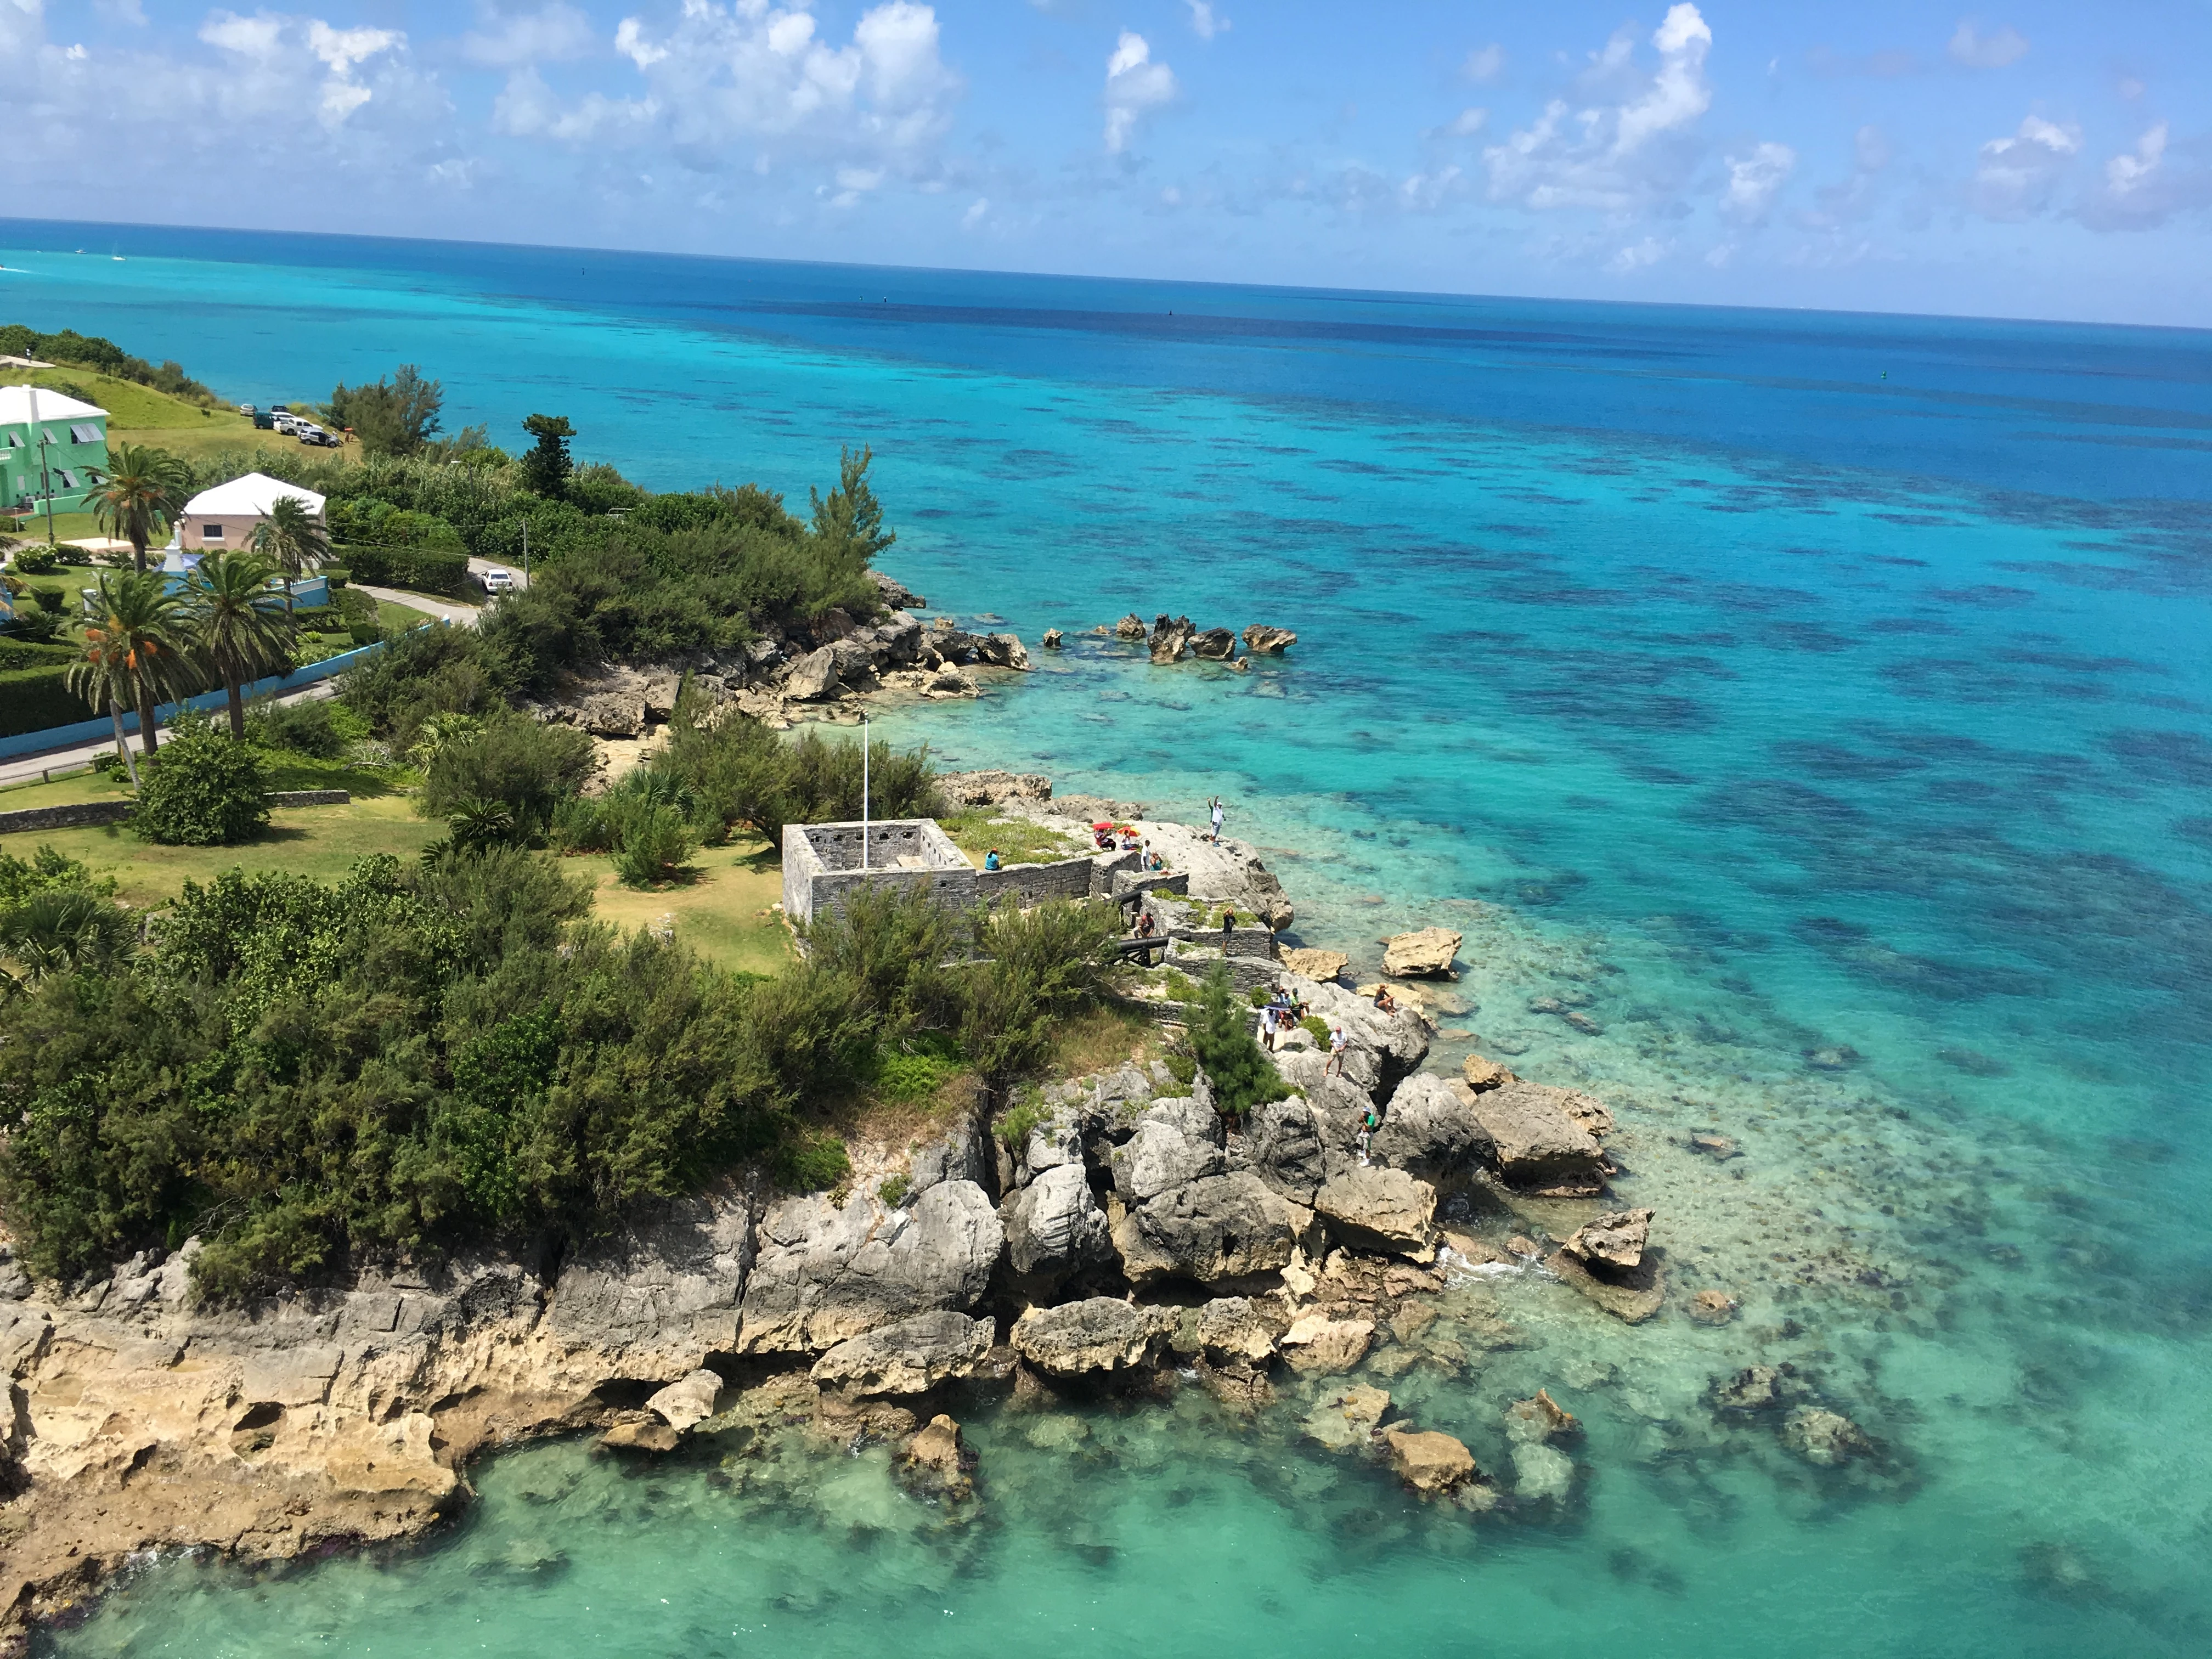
426,570
33,699
23,653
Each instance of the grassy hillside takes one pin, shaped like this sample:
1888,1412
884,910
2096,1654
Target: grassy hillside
140,415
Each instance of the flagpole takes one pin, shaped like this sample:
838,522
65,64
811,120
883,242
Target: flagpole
864,790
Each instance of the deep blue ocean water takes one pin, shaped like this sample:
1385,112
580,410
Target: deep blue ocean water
1821,700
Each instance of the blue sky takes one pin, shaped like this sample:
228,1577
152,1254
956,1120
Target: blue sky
2038,160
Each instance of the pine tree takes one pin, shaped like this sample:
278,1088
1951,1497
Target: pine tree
1243,1075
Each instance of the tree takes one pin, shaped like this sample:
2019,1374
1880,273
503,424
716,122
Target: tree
850,517
65,931
235,622
395,417
133,652
1221,1037
545,468
293,540
141,496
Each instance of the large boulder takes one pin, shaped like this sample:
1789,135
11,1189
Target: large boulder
1225,871
1480,1074
826,1273
911,1356
1287,1148
1315,1342
1235,1327
994,788
1824,1438
1262,639
1432,1130
1377,1209
1614,1243
1218,1227
1131,628
1541,1142
895,593
813,677
961,1152
1171,637
1315,964
1382,1049
1162,1154
1054,1227
687,1400
1430,1462
1098,1334
1004,650
1213,645
1424,953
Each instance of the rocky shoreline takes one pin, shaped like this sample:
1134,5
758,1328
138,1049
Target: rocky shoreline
1127,1237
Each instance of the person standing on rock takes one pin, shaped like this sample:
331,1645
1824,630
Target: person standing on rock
1218,815
1267,1027
1336,1048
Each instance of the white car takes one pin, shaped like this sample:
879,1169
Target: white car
499,581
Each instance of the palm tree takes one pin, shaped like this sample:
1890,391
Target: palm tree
60,932
235,622
142,494
294,538
132,650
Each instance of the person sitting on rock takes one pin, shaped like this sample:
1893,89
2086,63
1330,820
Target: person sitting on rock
991,859
1383,999
1152,860
1145,925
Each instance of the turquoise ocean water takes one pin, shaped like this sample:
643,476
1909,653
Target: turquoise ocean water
1822,703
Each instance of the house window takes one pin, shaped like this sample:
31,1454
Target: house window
68,477
85,432
210,532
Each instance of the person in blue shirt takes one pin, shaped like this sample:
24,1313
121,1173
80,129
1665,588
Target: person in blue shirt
991,859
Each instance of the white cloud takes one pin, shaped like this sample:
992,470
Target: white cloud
630,41
548,35
1620,155
1975,50
1487,63
2018,177
250,37
760,78
1637,256
1753,180
976,211
342,48
1205,22
2144,187
1135,86
527,108
1467,123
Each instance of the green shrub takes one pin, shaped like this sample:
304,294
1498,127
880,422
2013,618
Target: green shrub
812,1163
1222,1040
528,767
893,1189
915,1068
29,654
1182,1067
1020,1119
201,789
654,843
439,670
37,560
318,727
1318,1026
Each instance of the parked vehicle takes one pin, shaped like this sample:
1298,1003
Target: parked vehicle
498,581
264,421
315,438
246,409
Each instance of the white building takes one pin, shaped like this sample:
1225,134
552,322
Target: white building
227,515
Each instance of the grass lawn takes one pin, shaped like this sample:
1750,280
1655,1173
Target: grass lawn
722,912
978,829
389,613
321,841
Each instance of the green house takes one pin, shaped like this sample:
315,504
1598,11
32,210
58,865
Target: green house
47,439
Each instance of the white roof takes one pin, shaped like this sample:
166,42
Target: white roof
16,406
254,495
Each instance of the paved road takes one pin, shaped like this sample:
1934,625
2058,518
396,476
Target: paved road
30,766
479,567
